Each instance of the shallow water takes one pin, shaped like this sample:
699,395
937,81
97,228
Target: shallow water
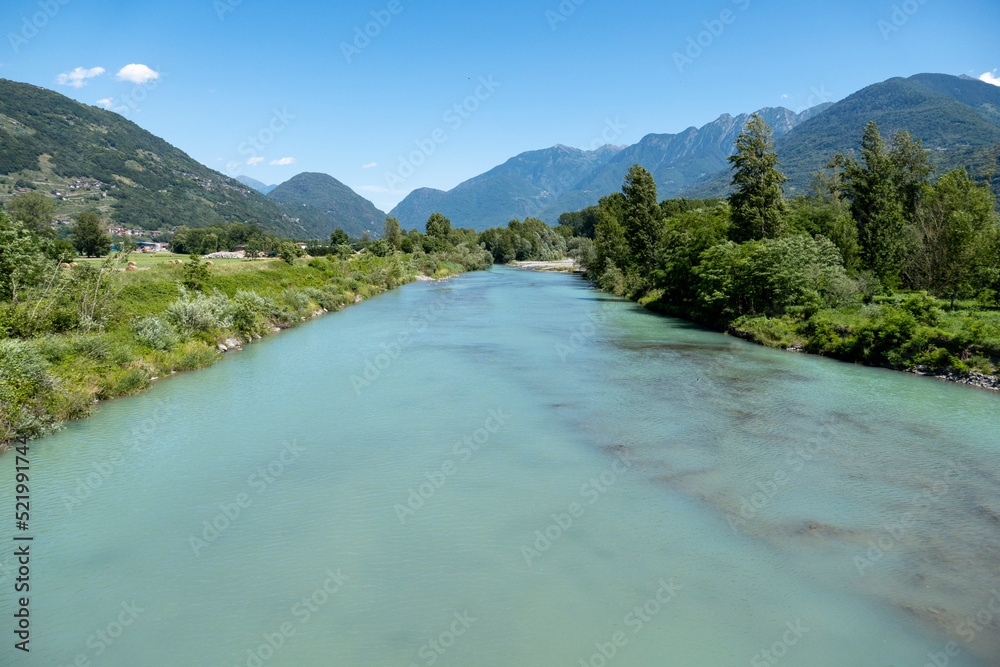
530,473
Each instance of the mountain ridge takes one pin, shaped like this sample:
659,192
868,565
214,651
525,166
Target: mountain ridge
322,200
548,182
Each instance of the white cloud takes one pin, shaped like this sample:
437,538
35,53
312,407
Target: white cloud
991,77
283,162
370,165
137,74
254,161
107,103
785,96
78,77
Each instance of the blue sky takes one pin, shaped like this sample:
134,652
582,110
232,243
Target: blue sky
273,89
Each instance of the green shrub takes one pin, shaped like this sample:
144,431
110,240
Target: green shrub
155,333
248,311
199,313
295,299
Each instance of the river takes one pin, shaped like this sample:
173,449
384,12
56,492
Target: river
509,468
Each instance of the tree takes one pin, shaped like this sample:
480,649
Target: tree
884,189
288,251
954,225
641,218
35,211
252,247
380,248
195,274
610,244
910,171
393,234
758,201
88,237
21,259
438,226
339,237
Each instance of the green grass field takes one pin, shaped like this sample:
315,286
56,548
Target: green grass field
149,260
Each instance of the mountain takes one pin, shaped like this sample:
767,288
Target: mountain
678,161
956,118
524,186
96,159
549,182
321,201
255,184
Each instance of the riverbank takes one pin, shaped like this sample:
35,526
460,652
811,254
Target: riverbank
554,266
909,332
144,325
912,333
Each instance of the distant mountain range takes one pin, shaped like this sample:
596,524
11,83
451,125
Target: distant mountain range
255,184
52,143
957,118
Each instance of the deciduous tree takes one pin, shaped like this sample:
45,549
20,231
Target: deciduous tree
88,237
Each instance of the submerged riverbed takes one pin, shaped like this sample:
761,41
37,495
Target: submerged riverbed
509,468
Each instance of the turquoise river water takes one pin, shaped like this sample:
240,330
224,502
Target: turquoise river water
509,468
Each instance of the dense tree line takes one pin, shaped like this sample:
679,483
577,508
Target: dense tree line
875,226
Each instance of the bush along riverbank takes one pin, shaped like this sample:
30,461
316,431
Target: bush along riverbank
75,336
878,266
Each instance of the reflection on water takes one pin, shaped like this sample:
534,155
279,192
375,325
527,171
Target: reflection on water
541,475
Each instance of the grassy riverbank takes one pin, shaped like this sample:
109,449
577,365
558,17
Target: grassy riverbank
102,333
906,331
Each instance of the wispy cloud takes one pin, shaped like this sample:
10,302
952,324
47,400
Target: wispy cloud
370,165
107,103
254,161
991,77
283,162
78,77
137,74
